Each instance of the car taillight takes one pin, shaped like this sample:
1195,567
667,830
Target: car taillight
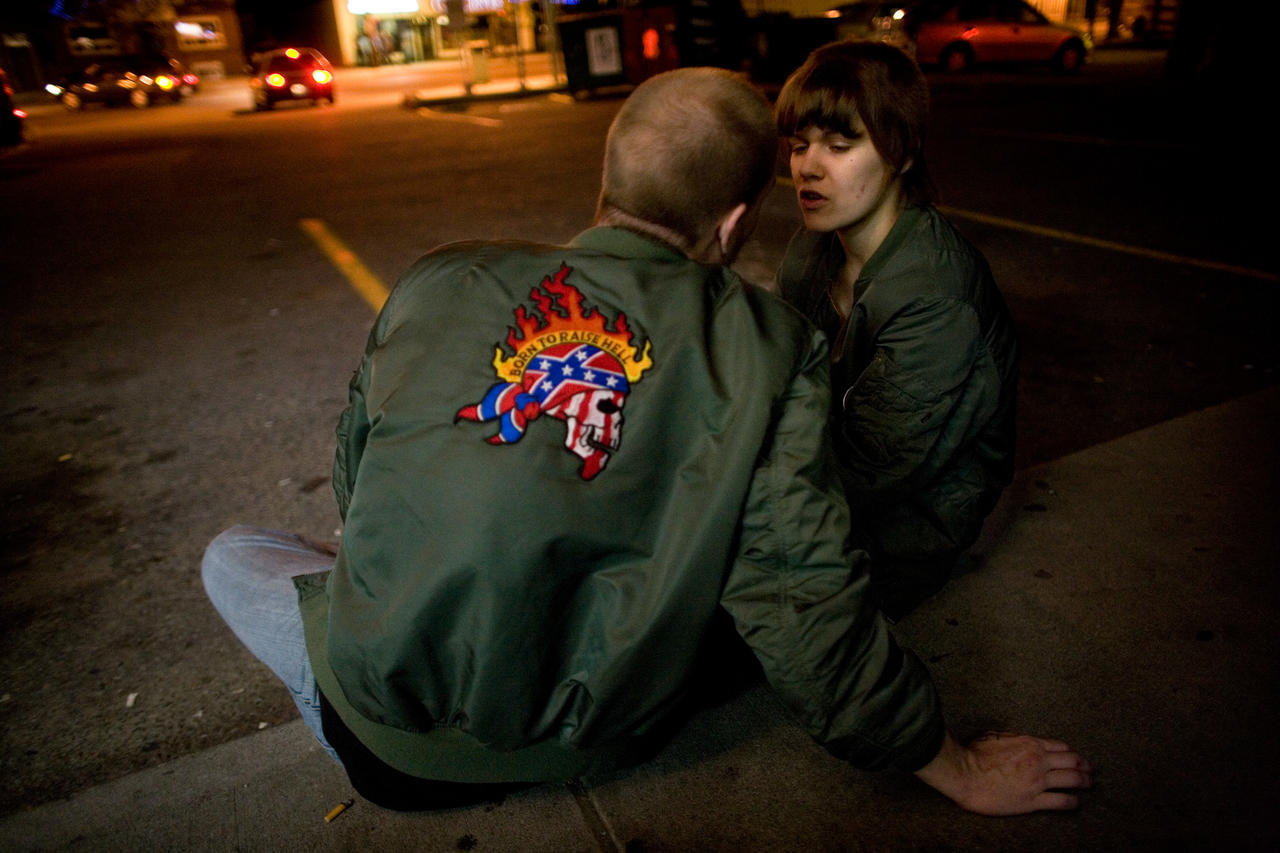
190,79
292,53
276,80
165,82
19,113
321,76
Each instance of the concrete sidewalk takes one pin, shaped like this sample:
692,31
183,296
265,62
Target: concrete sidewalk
505,77
1125,600
503,89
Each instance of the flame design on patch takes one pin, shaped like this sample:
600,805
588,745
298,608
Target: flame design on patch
562,318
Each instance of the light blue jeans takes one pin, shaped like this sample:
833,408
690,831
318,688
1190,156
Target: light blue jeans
248,575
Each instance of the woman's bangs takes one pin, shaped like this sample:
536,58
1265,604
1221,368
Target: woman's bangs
819,104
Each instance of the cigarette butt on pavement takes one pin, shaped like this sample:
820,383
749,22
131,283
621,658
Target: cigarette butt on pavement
338,809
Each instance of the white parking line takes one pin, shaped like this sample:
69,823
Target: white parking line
1095,242
1075,139
1154,254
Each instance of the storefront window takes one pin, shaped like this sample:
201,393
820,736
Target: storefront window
382,7
200,34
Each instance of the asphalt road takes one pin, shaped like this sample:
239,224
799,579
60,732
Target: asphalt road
177,348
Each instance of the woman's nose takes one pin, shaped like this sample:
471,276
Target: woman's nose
804,163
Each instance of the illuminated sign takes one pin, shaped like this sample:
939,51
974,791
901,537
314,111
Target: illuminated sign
197,33
404,7
604,57
382,7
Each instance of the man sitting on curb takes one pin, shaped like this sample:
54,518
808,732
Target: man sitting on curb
517,601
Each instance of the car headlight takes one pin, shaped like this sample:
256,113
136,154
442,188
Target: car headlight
165,82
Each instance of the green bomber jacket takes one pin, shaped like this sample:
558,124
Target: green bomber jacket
556,464
924,383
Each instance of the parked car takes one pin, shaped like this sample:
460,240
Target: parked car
11,117
291,74
137,81
958,34
188,80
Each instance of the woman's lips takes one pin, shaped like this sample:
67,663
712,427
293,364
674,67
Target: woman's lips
810,200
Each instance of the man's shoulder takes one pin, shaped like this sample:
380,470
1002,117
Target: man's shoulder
773,309
810,260
517,257
648,287
450,270
781,337
468,253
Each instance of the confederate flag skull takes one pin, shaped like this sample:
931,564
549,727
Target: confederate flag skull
563,362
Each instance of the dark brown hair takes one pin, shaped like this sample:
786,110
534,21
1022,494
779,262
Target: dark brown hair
876,82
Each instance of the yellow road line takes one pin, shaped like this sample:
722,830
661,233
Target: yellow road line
1067,236
482,121
363,281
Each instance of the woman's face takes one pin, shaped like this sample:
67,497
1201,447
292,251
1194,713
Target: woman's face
842,182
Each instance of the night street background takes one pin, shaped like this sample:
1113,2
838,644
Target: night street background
177,349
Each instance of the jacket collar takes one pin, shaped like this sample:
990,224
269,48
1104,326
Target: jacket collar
906,223
625,243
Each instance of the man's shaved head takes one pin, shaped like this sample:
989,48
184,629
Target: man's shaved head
687,147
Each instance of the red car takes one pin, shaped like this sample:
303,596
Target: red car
959,34
291,74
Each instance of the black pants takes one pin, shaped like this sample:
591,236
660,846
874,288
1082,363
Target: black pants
725,668
384,785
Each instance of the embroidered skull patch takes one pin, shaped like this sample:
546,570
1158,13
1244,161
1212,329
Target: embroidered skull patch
563,361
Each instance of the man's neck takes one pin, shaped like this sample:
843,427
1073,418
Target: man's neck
612,217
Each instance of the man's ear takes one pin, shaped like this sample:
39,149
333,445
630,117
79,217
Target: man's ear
728,225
